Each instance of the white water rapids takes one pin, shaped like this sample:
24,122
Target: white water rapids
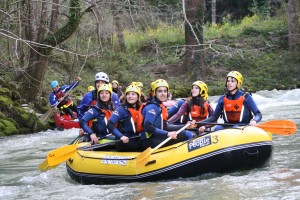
20,177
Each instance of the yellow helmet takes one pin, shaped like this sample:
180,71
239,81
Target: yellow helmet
203,89
115,81
151,84
139,84
90,88
105,87
159,83
238,76
133,88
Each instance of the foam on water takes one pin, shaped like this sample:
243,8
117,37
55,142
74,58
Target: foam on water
20,177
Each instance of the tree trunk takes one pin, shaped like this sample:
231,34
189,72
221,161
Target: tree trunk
120,35
194,57
293,25
38,63
117,16
54,16
213,12
98,19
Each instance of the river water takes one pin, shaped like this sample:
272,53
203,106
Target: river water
20,177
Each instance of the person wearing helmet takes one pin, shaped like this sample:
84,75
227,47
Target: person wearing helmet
143,97
118,90
235,106
195,107
126,121
150,91
90,98
59,97
155,117
90,88
99,114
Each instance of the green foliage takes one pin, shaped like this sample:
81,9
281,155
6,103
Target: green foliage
67,30
251,46
163,35
256,46
249,26
7,128
5,102
5,91
261,8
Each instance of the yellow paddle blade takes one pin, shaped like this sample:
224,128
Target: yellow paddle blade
61,154
143,158
44,166
282,127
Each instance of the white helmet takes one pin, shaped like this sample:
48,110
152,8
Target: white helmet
101,76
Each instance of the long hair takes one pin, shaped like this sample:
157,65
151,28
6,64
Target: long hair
199,101
137,104
106,105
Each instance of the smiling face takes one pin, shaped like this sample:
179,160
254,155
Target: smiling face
231,84
161,93
195,91
104,95
132,97
99,83
114,85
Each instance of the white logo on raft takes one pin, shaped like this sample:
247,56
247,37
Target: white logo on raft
199,143
115,160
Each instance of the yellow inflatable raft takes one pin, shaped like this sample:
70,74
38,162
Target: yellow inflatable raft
221,151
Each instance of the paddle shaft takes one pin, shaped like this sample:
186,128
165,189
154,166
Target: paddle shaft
231,124
281,127
95,146
214,124
144,157
169,138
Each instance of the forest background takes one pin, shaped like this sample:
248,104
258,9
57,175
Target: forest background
141,40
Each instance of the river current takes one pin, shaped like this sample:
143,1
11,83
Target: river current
20,177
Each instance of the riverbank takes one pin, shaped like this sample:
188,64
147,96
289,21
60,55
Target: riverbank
258,48
16,115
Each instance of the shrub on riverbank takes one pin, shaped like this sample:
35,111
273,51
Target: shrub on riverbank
13,118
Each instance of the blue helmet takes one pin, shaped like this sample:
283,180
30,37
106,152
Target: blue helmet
54,84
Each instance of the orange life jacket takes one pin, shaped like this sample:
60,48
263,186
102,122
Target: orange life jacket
164,112
136,119
234,109
106,112
196,112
